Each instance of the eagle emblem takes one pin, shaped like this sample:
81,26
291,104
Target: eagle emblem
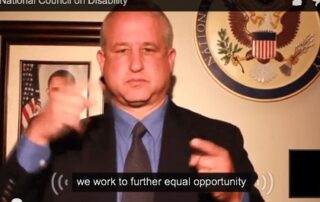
260,53
265,34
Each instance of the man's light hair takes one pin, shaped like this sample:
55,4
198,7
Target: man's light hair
168,32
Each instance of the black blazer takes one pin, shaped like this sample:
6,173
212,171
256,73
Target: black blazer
94,151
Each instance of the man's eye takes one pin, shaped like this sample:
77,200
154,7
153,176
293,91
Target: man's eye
122,50
54,89
149,50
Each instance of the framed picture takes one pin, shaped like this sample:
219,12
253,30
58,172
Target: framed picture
33,51
40,78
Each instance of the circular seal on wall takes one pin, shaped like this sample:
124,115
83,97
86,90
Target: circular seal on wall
262,56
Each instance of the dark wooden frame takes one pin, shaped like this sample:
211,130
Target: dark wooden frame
37,33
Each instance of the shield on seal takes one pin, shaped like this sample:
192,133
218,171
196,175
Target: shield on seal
264,45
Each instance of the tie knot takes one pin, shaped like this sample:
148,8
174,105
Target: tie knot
139,130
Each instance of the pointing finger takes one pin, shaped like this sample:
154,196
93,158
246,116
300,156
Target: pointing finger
206,147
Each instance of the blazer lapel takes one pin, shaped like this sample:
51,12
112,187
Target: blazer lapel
175,153
101,150
103,153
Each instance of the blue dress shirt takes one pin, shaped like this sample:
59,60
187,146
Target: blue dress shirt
32,157
124,124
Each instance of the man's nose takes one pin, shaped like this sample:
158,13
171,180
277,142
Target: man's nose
136,64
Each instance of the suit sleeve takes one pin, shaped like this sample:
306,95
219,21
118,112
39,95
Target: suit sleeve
16,182
242,164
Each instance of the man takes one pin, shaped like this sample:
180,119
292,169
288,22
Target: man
136,60
57,80
60,79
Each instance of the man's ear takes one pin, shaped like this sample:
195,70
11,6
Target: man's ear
101,59
171,58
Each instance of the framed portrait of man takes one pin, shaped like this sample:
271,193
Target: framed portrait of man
40,78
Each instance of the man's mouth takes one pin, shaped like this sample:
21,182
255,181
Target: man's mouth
136,82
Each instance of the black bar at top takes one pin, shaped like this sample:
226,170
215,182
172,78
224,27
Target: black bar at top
165,5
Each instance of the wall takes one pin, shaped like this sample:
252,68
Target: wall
269,129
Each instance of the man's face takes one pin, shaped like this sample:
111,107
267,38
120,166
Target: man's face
58,82
136,62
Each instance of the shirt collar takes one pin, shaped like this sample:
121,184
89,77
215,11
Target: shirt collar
124,122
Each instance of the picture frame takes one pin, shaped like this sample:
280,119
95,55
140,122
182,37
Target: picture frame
40,78
37,41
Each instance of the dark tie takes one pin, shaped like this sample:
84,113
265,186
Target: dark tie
137,161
